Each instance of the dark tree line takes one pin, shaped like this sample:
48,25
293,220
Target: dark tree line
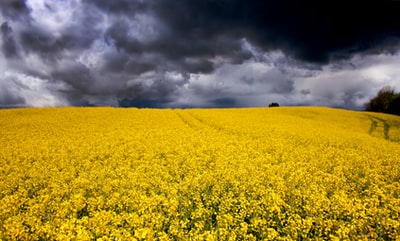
273,104
386,101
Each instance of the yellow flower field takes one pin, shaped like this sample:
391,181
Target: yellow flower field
287,173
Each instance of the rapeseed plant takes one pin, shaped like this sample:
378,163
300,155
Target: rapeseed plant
287,173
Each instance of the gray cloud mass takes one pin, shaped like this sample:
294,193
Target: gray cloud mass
14,9
9,45
211,53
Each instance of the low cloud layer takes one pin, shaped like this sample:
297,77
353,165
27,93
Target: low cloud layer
200,53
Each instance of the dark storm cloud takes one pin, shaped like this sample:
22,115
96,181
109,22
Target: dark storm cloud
140,52
350,97
314,31
305,92
9,45
118,33
9,96
50,46
310,32
283,86
197,66
41,42
189,49
124,63
158,94
14,9
78,77
121,82
140,103
184,30
8,99
120,6
223,102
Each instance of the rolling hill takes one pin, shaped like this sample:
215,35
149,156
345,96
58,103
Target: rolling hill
287,173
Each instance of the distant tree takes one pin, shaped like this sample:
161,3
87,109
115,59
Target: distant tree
394,106
386,101
273,104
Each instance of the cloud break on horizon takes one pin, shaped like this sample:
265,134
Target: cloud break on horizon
197,53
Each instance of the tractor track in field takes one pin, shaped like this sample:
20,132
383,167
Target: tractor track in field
197,123
186,121
376,123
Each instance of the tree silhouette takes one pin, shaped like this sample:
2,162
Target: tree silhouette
386,101
273,104
394,106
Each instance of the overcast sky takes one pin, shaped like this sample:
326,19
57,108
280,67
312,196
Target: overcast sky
197,53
